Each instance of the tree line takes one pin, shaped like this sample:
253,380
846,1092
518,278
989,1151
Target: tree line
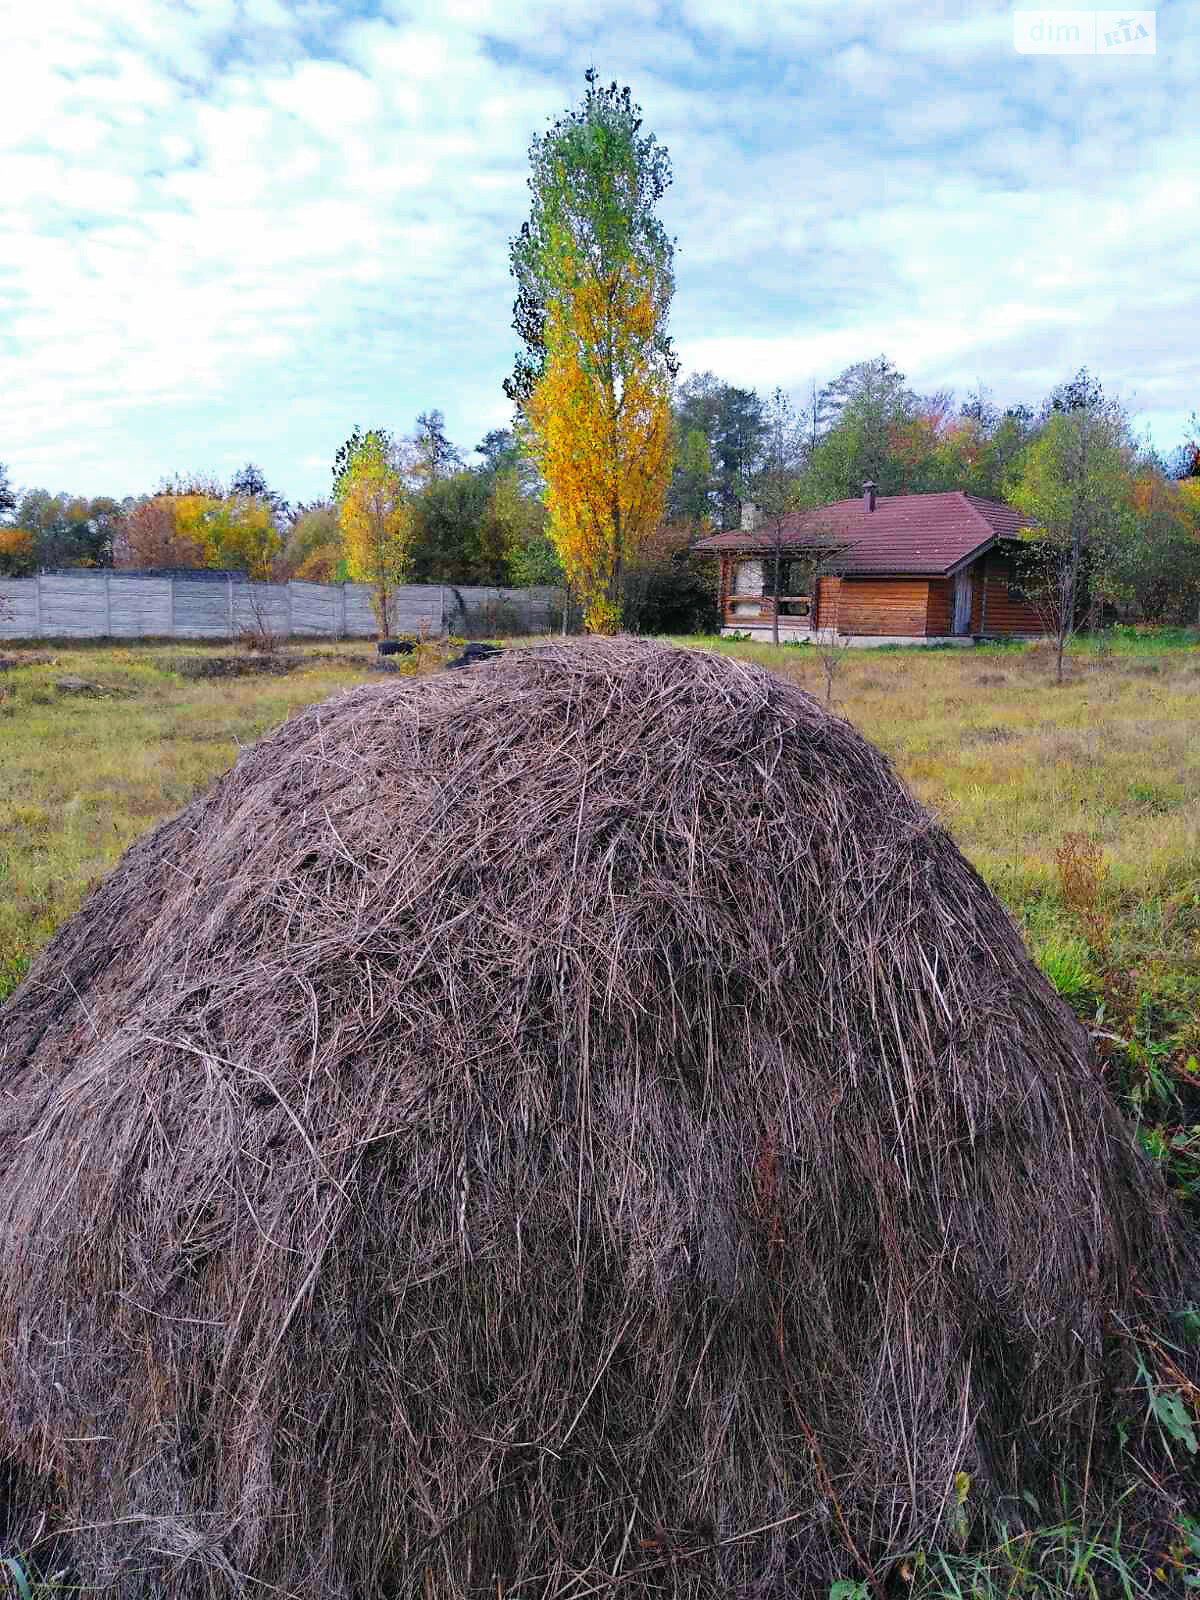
613,466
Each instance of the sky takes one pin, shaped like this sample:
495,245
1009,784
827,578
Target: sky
232,230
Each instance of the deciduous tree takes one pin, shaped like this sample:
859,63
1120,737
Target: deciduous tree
313,547
517,522
435,457
8,498
1160,567
68,530
594,272
16,553
1076,489
250,482
376,520
150,536
601,418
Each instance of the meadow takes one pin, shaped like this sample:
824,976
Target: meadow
1078,804
1014,766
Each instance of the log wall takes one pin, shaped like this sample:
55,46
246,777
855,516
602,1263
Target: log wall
883,606
939,616
1003,614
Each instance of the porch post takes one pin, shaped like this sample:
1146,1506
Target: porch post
983,566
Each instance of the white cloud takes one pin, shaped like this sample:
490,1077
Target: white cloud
238,228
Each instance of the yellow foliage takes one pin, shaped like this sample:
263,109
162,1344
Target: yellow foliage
1189,491
375,516
600,420
16,552
320,564
230,531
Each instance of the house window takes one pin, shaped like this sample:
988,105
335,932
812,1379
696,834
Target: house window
1017,593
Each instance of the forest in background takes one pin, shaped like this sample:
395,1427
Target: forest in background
486,522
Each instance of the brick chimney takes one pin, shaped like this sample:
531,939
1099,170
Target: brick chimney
749,516
869,495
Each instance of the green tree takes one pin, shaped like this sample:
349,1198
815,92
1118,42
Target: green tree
249,482
500,450
1076,487
733,426
518,524
594,183
349,449
312,549
861,410
710,478
68,530
435,457
8,498
690,498
448,517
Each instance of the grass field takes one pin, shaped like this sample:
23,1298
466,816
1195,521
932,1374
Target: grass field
1079,805
1011,763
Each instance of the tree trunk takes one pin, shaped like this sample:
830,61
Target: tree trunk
1067,625
775,603
616,571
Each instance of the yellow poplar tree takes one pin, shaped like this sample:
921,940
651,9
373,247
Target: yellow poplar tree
376,520
594,283
601,423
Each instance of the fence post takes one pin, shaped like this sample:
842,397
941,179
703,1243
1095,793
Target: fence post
108,605
229,603
288,592
37,609
342,587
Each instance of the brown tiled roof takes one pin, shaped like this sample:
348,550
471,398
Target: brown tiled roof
924,534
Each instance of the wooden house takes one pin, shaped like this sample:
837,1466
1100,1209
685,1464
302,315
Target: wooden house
892,568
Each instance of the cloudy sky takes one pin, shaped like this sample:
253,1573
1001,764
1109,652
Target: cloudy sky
232,229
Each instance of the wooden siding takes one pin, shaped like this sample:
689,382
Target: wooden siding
828,601
1002,615
904,607
939,616
883,606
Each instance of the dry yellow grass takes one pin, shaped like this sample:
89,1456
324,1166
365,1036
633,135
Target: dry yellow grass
82,777
1006,759
1012,763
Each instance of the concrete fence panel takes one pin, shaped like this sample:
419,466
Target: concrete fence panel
18,609
139,608
113,605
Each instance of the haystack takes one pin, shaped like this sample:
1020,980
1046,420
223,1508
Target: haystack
573,1126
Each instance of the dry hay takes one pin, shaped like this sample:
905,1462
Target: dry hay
567,1121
